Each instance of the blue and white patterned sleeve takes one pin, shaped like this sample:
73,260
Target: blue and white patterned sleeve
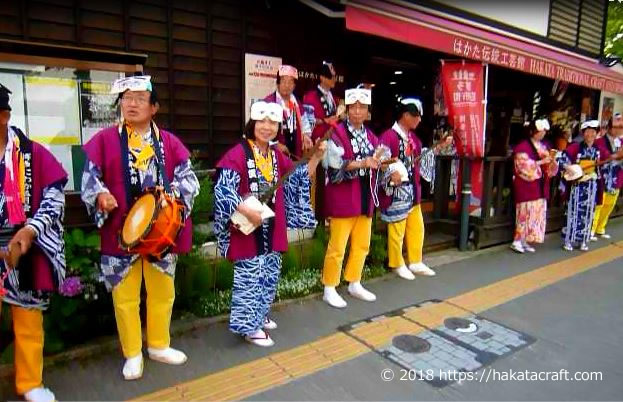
427,166
296,191
185,185
226,201
339,175
51,209
48,224
564,160
308,120
92,185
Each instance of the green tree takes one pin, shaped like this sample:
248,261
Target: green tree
614,29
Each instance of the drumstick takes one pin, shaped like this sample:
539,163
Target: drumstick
11,257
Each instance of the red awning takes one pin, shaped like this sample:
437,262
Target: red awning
425,30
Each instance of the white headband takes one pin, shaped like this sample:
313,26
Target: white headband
261,110
360,95
542,125
590,124
134,83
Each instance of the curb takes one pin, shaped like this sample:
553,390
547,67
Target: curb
100,346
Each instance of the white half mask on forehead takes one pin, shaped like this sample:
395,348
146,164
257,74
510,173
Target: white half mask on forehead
261,110
542,125
361,95
134,83
590,124
413,101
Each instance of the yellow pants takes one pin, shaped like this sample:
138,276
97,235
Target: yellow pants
603,211
28,330
413,229
126,298
358,229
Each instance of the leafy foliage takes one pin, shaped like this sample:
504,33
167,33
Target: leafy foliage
614,29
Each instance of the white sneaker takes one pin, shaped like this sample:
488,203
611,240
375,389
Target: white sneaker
421,269
260,338
167,355
269,324
584,247
605,236
593,238
333,298
40,394
529,248
133,368
404,273
567,247
356,290
517,247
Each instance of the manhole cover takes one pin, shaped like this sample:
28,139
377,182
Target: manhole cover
411,344
460,324
484,335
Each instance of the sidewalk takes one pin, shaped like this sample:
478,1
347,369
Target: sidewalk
212,348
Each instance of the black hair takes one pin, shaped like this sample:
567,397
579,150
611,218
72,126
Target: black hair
325,71
249,129
530,129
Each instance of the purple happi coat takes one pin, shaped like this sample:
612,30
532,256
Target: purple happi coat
524,190
245,246
392,139
604,153
104,150
343,200
313,98
48,258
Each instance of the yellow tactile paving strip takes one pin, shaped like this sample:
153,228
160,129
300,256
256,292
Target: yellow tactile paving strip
247,379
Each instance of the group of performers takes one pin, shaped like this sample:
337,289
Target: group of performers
592,177
264,183
361,172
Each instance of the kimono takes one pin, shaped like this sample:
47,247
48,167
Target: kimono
257,256
321,104
581,195
531,184
397,201
103,172
43,179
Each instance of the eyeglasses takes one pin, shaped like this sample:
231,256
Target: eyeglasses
127,100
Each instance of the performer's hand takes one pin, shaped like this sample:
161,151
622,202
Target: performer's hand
545,161
331,119
322,147
254,216
307,143
106,202
23,238
395,178
371,163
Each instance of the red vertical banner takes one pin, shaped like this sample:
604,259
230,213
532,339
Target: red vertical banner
463,91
